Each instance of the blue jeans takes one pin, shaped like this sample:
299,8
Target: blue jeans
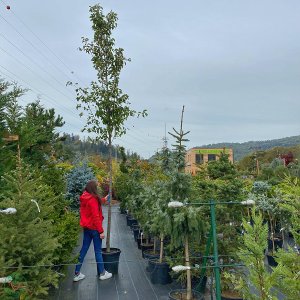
88,236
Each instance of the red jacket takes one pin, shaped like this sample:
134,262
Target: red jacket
91,216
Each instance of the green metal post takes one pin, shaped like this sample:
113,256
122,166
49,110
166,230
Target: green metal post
215,248
200,286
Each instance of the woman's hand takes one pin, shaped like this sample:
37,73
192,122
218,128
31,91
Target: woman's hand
102,235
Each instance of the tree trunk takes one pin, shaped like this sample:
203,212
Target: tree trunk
110,196
283,239
272,233
188,272
161,253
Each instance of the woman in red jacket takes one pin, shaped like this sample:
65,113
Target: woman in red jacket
91,218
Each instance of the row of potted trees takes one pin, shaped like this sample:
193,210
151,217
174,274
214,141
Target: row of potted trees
180,231
172,230
184,228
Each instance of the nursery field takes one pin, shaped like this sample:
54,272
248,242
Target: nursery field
132,281
223,230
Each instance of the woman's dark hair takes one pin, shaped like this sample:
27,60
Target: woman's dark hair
91,188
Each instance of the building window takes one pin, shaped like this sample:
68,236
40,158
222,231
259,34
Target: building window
199,158
211,157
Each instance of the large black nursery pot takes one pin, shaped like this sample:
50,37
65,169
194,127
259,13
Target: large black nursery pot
199,284
160,272
140,241
122,211
271,260
181,295
150,255
145,247
111,260
136,231
135,226
278,243
131,221
128,216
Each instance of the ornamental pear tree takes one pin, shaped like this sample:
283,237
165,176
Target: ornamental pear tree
104,103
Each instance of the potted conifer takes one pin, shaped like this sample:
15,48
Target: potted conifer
287,272
185,220
251,254
160,227
268,204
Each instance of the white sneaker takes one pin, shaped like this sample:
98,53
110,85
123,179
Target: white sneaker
78,277
106,275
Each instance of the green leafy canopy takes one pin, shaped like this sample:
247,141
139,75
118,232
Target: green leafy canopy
106,105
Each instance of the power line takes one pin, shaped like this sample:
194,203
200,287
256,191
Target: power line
27,67
35,89
34,47
137,149
29,58
49,49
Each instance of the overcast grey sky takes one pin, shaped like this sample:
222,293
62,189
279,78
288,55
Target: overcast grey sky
234,64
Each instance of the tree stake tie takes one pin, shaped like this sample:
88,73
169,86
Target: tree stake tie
7,279
36,205
175,204
248,202
180,268
8,211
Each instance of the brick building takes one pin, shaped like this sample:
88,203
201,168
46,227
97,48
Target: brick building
196,156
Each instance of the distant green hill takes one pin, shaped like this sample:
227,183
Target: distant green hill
241,150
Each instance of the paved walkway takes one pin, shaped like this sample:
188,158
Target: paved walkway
131,283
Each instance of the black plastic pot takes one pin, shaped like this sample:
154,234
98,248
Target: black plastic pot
131,221
160,272
128,216
139,241
145,247
149,254
271,260
135,226
199,284
111,260
136,233
278,242
181,295
122,211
